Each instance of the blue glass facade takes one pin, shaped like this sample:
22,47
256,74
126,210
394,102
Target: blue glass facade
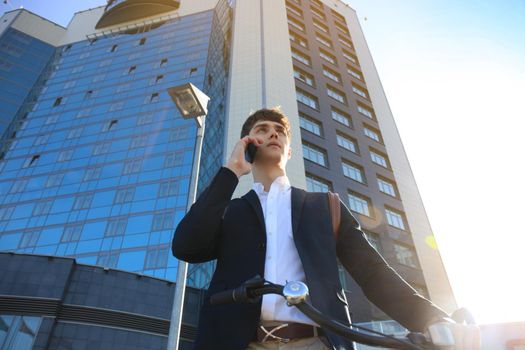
22,59
99,168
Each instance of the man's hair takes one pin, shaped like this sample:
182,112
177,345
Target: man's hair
271,114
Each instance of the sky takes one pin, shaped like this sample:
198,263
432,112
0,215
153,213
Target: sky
454,76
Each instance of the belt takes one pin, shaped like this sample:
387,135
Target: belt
287,331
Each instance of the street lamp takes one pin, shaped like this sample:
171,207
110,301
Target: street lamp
192,104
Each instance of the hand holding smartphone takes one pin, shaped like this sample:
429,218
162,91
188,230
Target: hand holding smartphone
250,152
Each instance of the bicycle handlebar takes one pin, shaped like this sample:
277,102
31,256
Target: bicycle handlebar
295,293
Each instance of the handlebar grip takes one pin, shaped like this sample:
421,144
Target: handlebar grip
225,297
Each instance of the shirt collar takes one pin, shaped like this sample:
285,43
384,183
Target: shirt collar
282,183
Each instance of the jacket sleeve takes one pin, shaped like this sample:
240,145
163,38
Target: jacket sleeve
380,283
197,235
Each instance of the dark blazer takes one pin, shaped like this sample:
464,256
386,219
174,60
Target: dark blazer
233,232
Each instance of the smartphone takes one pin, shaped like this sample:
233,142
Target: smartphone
250,152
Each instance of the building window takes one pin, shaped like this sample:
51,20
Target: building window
405,255
319,13
157,80
331,74
345,42
163,62
347,142
110,125
6,212
320,26
69,84
341,117
42,208
327,57
296,11
349,56
77,69
315,154
395,218
18,186
360,91
156,258
58,102
41,139
307,99
113,48
163,221
132,69
336,94
31,161
71,233
83,202
88,94
65,155
29,239
132,166
139,141
296,24
301,75
142,41
101,148
116,106
315,184
379,159
298,40
387,186
310,124
174,159
108,259
354,72
353,171
372,133
116,227
342,28
54,180
124,195
301,57
145,119
92,174
169,188
83,113
105,63
365,111
358,203
323,40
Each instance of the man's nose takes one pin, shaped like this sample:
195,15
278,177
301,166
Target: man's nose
274,133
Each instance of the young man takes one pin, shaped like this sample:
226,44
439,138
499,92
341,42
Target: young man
284,234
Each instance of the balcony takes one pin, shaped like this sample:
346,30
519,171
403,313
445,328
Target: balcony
121,11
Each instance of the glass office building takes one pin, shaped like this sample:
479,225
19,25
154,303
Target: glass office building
97,161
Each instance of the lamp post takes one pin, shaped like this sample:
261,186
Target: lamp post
192,104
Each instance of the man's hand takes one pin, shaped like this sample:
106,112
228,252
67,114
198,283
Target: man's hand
237,163
455,336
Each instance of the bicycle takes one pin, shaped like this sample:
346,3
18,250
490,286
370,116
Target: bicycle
295,293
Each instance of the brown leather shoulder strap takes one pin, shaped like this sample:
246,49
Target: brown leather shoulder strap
335,212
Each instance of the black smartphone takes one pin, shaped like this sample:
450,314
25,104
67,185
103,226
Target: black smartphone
250,152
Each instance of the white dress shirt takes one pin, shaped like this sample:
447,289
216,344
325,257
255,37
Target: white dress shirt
282,259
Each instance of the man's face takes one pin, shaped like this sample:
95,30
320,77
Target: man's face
275,142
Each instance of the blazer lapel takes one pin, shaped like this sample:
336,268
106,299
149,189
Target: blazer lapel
298,197
252,198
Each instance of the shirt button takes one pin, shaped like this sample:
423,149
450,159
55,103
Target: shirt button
262,246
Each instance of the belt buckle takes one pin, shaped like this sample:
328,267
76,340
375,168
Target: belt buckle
274,337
